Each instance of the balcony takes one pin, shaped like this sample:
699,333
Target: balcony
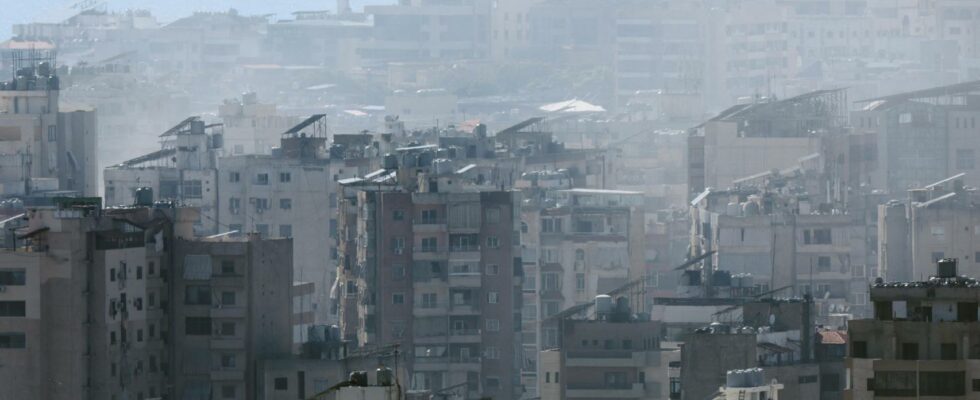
464,309
464,336
464,252
223,343
227,375
220,311
465,279
605,358
429,310
427,253
429,225
604,391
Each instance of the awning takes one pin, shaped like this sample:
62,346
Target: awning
33,232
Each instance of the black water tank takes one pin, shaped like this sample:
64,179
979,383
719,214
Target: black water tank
144,197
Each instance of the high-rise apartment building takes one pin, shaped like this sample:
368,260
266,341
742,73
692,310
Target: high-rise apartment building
433,268
125,303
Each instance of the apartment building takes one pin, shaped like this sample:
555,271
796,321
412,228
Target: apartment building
237,296
431,264
915,138
43,145
607,358
774,335
576,244
251,127
935,222
756,138
91,307
420,30
293,193
921,341
185,169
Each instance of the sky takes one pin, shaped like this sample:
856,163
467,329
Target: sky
23,11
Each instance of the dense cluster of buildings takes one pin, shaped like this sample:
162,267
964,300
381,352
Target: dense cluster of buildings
468,199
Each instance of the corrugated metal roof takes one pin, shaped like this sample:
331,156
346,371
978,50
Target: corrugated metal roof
833,337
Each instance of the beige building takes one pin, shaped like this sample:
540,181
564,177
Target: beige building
251,127
935,222
750,139
921,342
607,359
44,145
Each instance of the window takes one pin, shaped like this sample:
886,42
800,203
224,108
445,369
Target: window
227,361
830,383
429,300
261,203
859,349
398,245
192,189
910,351
139,335
234,204
947,351
817,236
112,337
281,383
549,281
429,216
616,380
493,297
398,272
529,312
429,245
286,204
938,232
493,325
492,353
262,230
492,269
398,298
823,264
558,376
286,231
976,383
13,340
197,326
580,282
551,225
139,272
262,179
228,391
234,177
285,177
197,295
550,308
52,133
13,277
227,267
13,309
398,215
227,298
941,383
112,274
227,329
493,242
